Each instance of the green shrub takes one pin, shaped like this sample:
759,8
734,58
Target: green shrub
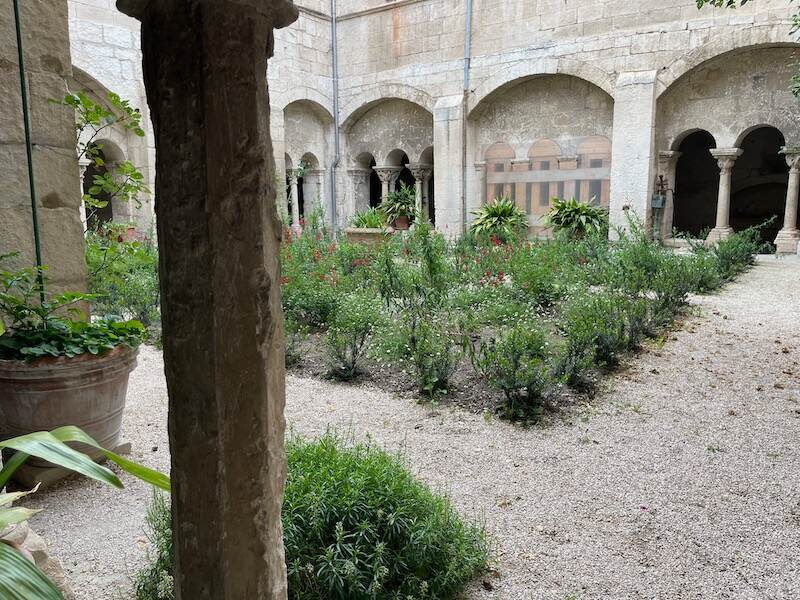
434,354
597,322
294,334
499,218
517,363
736,253
357,526
577,219
350,329
155,582
123,275
310,300
372,218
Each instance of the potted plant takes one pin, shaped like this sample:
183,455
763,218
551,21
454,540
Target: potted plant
368,227
399,206
56,367
501,219
577,219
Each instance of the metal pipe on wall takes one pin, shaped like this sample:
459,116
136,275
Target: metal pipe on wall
464,105
335,82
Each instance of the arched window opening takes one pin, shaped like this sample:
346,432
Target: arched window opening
696,185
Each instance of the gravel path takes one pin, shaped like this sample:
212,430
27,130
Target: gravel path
682,480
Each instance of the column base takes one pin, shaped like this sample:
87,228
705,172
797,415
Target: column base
719,233
787,241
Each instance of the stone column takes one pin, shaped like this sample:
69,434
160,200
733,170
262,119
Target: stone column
319,182
667,163
448,185
633,148
219,239
421,172
388,176
787,240
480,170
726,157
360,182
295,198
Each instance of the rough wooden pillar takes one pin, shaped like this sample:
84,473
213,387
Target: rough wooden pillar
205,65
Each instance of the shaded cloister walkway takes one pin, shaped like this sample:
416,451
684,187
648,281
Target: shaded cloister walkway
680,480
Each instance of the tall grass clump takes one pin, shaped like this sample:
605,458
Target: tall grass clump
357,526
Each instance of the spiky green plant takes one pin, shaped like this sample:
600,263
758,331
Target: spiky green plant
500,218
577,219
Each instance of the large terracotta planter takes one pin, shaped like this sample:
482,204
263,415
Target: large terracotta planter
368,237
87,391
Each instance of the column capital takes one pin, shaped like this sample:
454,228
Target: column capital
792,154
317,172
293,175
356,171
280,13
386,173
726,157
420,170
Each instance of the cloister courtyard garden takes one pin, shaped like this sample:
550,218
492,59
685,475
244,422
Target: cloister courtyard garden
399,300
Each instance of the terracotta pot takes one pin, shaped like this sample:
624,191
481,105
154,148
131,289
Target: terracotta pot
367,236
87,391
401,223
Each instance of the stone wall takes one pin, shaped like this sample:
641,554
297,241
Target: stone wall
630,54
48,65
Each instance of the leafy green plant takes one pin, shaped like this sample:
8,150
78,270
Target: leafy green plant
294,334
122,181
31,329
372,218
737,253
19,578
123,277
356,316
399,203
517,363
596,322
500,218
357,526
577,219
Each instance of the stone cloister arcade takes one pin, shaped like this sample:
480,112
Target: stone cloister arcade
711,127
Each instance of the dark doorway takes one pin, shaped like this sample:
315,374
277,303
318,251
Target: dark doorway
759,182
696,185
374,186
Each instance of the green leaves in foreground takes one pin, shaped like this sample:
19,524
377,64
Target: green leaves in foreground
20,578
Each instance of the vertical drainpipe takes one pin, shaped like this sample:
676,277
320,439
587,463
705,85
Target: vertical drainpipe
464,104
336,140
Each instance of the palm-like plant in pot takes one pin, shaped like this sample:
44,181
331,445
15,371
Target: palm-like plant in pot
58,368
400,206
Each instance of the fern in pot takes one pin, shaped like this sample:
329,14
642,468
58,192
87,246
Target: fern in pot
58,368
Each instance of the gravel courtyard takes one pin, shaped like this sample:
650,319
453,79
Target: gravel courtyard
680,480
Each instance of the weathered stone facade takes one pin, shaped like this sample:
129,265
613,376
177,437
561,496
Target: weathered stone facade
545,76
48,67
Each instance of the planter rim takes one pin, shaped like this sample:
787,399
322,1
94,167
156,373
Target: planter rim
386,230
57,366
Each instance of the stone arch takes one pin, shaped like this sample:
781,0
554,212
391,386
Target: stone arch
395,158
364,100
308,127
309,96
388,128
729,94
524,70
738,40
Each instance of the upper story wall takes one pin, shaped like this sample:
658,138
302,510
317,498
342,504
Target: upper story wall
421,42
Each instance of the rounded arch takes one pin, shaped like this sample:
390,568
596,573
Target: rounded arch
288,161
696,183
524,70
676,142
395,158
743,39
426,158
544,149
309,96
746,133
112,151
364,160
310,160
363,100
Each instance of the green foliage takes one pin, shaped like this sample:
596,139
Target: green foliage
356,316
372,218
399,203
357,526
34,329
595,323
294,334
155,582
19,578
737,252
123,277
500,218
517,363
577,219
124,182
